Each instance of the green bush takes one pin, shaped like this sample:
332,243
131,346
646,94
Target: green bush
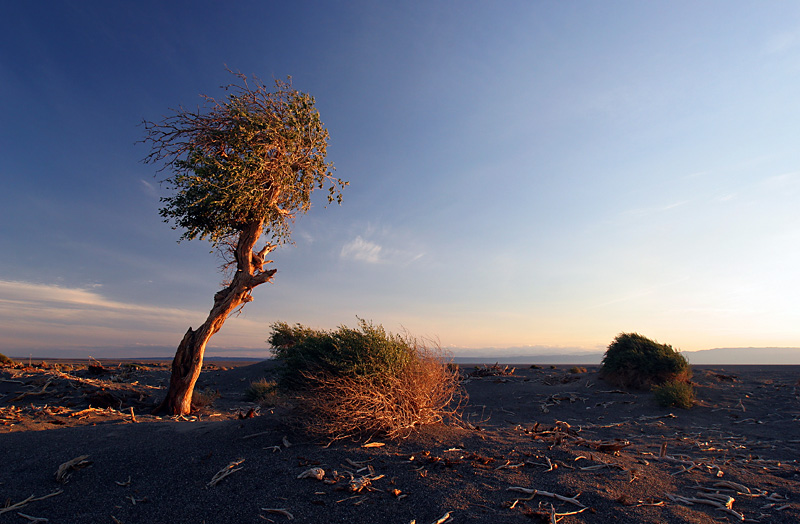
674,393
365,351
5,361
635,361
351,383
577,369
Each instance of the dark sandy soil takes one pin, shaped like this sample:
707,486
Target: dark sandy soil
606,455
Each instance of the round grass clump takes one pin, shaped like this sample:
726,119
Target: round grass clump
635,361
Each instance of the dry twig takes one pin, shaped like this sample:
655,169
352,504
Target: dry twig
444,518
21,504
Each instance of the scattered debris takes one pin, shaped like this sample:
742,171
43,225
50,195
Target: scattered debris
491,371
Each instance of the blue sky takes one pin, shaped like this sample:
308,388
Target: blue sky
543,174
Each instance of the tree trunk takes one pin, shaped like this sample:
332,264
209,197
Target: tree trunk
188,361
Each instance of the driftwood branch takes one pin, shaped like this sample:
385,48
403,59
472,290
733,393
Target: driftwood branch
65,470
224,472
534,492
279,511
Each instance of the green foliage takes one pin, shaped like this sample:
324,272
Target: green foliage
5,361
254,157
365,351
262,391
577,369
674,393
635,361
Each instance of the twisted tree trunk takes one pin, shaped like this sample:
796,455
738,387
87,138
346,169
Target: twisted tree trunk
188,361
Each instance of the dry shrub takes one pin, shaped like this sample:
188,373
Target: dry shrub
205,398
425,391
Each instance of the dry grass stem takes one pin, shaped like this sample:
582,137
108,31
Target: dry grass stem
224,472
33,519
257,434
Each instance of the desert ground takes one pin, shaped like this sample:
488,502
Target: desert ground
537,444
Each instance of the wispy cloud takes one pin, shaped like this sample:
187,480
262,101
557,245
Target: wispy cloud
656,209
48,296
363,250
390,248
36,316
148,188
783,181
782,42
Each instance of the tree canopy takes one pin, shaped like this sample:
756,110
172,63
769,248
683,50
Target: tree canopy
241,168
254,157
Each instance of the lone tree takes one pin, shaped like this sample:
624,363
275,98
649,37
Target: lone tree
242,169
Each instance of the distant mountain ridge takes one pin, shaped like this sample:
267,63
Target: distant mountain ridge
564,358
716,356
744,356
514,355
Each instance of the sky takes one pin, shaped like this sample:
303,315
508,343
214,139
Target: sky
524,176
